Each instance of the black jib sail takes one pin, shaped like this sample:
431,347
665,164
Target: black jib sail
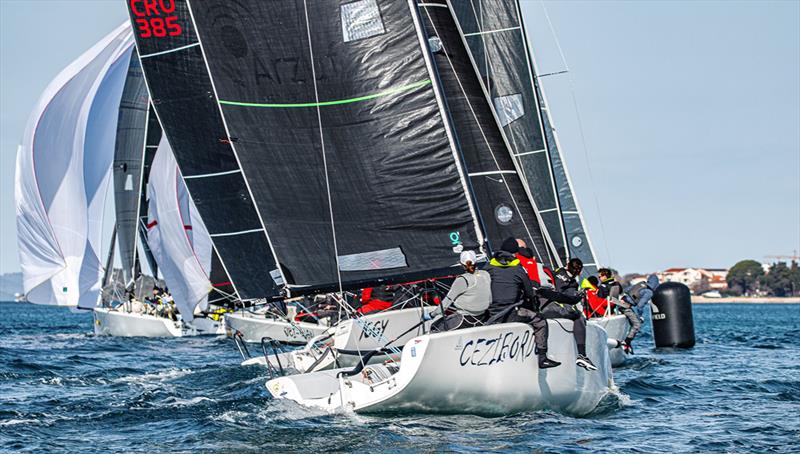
494,33
184,101
128,152
577,237
340,136
500,194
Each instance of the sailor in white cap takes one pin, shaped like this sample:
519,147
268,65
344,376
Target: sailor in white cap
470,295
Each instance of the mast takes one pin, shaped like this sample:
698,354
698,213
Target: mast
340,138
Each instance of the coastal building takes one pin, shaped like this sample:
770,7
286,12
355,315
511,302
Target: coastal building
702,279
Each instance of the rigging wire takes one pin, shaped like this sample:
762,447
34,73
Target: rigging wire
580,130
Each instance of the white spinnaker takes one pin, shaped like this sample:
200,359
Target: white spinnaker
176,235
62,175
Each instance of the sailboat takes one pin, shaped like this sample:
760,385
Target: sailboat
369,154
64,170
63,173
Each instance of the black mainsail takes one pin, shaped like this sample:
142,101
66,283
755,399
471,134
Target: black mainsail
500,194
496,38
127,168
340,136
184,101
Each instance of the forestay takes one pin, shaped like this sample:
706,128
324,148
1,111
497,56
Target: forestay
185,104
62,175
500,193
341,138
177,236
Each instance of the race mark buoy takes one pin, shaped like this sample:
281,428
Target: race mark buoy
671,309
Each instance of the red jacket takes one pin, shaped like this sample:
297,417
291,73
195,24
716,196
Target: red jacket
597,307
531,267
370,304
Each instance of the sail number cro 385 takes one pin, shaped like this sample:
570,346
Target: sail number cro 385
154,18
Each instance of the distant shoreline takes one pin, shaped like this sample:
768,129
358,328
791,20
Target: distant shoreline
746,300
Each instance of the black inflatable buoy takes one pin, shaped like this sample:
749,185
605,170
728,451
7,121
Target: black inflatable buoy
671,310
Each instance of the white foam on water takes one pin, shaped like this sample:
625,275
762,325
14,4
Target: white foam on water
153,377
13,422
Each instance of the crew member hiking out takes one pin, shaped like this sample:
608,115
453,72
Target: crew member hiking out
513,299
470,296
562,302
642,293
611,290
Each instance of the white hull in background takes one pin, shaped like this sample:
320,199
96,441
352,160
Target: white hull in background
617,328
125,324
489,370
256,326
351,339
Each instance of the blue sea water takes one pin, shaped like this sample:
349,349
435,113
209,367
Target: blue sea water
64,390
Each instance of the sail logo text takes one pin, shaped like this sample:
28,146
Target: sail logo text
507,346
373,329
155,18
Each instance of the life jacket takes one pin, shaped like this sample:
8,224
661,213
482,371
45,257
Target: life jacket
536,271
531,267
596,306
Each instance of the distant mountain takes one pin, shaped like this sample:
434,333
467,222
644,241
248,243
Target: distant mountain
10,283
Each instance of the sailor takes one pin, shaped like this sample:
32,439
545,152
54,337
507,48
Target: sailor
612,291
598,306
470,295
562,303
513,298
376,299
642,293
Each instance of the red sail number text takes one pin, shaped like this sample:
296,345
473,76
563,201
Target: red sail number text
154,18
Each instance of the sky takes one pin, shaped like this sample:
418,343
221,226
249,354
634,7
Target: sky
679,121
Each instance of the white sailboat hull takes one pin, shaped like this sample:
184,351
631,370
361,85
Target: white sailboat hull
255,327
489,370
374,330
352,338
125,324
617,328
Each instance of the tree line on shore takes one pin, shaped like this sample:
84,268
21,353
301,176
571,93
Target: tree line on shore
748,278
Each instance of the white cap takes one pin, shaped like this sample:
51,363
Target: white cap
468,256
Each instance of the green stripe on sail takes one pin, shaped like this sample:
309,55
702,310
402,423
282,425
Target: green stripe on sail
332,103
